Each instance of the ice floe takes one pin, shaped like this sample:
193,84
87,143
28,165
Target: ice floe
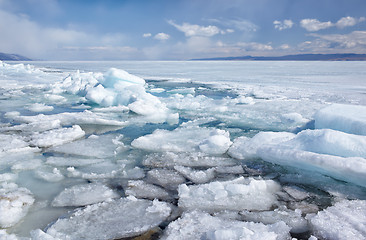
201,225
344,220
341,117
196,176
14,203
168,179
141,189
238,194
125,217
84,194
186,139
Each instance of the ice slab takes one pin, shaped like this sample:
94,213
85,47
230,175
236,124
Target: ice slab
328,141
125,217
344,220
185,139
40,107
341,117
293,219
141,189
72,162
56,137
194,159
196,176
201,225
94,146
84,194
168,179
14,204
246,148
40,126
238,194
351,169
14,144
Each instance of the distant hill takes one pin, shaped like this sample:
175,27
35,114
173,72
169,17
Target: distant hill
13,57
297,57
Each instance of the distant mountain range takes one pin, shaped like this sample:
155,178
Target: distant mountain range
297,57
13,57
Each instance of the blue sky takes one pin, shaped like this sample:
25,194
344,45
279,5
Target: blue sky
179,29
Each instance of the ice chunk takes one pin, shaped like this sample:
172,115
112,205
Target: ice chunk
168,179
350,169
8,177
57,136
38,234
296,192
238,194
246,148
5,236
201,225
344,220
40,126
119,79
141,189
231,169
84,194
14,144
72,162
196,176
125,217
185,139
327,141
293,118
49,175
40,107
293,219
194,159
345,118
14,204
103,146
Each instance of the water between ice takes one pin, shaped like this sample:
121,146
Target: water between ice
178,150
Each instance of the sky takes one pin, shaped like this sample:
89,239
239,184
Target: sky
179,29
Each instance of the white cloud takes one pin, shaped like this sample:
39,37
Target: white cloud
192,30
254,46
348,21
285,24
146,35
242,25
162,36
313,25
356,39
285,47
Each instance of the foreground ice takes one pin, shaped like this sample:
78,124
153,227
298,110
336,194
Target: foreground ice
238,194
84,194
201,225
186,139
344,220
126,217
14,204
345,118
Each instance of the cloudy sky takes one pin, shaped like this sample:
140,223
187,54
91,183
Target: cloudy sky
179,29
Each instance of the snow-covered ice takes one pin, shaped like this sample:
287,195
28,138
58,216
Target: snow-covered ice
344,220
84,194
201,225
238,194
125,217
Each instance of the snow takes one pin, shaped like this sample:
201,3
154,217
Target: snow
341,117
185,139
84,194
344,220
201,225
125,217
238,194
14,204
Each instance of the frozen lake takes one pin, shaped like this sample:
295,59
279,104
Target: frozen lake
183,150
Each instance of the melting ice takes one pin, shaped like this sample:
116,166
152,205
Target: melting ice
183,150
